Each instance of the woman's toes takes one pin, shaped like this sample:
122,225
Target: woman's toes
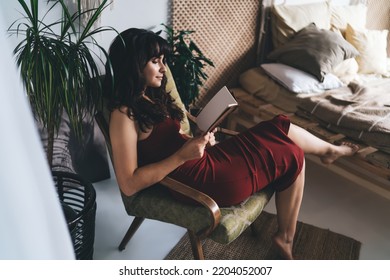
344,149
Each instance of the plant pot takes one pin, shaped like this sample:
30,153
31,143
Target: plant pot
78,200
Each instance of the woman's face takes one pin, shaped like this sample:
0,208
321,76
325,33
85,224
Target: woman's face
154,71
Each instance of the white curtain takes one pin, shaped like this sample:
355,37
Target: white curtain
31,220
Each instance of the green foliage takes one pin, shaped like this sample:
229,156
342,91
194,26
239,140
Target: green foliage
187,64
58,68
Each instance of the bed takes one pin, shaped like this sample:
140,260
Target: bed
326,65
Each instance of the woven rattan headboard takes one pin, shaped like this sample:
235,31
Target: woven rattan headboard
226,31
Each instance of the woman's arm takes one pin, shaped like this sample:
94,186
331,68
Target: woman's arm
130,177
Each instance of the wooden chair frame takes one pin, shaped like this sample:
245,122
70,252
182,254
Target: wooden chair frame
176,186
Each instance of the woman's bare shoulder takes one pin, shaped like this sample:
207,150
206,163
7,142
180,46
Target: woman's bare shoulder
119,120
120,115
120,112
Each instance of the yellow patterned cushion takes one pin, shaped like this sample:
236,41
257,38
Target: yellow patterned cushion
171,87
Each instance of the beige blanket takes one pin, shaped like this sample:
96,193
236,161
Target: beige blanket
358,107
359,111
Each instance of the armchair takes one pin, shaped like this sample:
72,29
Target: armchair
206,220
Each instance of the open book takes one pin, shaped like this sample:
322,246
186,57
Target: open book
216,110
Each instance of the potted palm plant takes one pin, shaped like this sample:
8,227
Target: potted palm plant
60,72
187,64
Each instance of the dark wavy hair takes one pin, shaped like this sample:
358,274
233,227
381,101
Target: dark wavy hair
124,82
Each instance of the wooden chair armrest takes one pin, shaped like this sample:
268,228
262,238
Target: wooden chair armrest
200,197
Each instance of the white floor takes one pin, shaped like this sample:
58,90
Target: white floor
330,201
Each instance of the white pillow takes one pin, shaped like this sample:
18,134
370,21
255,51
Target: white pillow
346,70
341,15
372,47
299,81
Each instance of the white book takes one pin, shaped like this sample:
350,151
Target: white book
216,110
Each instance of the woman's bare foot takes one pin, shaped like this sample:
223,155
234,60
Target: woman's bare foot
345,149
285,248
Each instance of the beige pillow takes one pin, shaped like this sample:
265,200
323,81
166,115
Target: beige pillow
372,45
341,15
289,19
171,87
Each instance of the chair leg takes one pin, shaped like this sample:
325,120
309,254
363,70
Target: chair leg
196,245
130,232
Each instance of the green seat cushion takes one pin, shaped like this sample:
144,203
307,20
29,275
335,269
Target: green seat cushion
157,203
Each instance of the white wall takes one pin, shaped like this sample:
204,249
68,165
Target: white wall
12,11
121,14
124,14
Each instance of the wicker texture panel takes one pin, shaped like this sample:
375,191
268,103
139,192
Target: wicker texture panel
226,32
378,17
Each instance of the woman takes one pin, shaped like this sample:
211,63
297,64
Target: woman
147,144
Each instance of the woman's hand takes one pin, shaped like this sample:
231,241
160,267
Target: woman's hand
194,147
212,140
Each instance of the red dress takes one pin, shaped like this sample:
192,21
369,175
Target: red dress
234,169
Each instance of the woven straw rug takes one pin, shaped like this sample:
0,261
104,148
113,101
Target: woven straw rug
311,243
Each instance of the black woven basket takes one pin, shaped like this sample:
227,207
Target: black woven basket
78,199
